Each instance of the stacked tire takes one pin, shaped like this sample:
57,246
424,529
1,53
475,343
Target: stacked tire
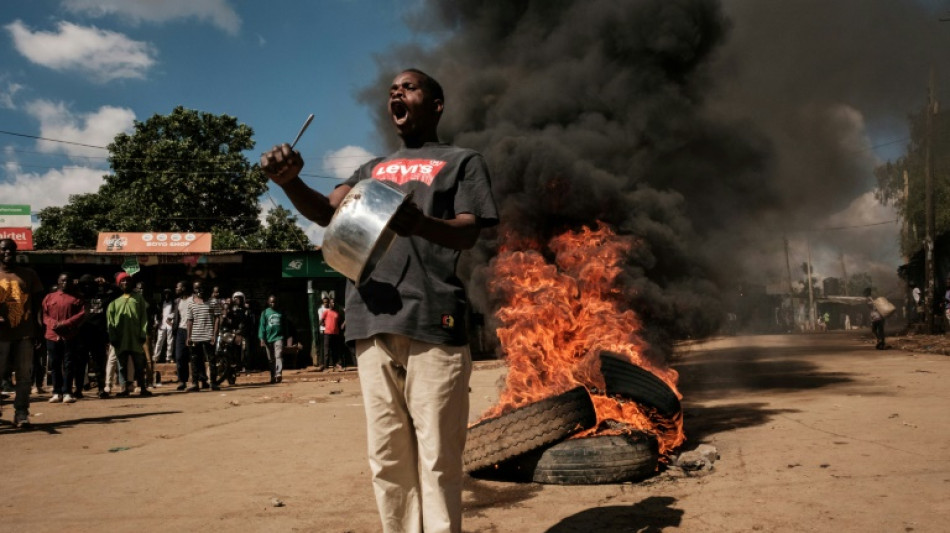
531,443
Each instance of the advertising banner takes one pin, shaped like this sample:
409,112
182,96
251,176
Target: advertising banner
131,266
15,216
153,242
310,265
22,236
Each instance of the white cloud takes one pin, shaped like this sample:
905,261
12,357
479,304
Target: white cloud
315,232
101,54
7,94
218,12
51,188
98,128
343,162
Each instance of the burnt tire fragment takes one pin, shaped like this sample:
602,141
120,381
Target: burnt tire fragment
628,380
595,460
527,428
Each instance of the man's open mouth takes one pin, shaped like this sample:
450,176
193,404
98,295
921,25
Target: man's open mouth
399,112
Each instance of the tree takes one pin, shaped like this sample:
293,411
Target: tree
184,171
912,208
280,233
815,285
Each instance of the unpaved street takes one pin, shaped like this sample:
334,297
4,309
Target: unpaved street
815,433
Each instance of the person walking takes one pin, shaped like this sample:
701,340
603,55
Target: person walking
407,319
877,321
63,314
21,324
272,331
127,320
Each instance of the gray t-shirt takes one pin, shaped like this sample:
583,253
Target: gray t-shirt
414,290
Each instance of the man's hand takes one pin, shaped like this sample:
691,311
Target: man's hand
281,164
408,219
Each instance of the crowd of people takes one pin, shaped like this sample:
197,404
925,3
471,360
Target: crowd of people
95,334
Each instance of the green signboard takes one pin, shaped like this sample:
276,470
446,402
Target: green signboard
131,266
9,209
15,216
306,265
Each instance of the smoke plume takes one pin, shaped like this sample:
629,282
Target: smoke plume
708,130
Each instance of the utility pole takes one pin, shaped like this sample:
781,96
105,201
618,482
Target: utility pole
844,272
931,289
811,294
909,303
788,269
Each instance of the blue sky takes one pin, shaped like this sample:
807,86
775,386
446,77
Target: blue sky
83,70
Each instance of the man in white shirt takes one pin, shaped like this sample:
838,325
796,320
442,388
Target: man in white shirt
164,341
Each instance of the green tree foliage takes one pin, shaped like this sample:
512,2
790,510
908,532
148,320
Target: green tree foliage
184,171
280,233
890,181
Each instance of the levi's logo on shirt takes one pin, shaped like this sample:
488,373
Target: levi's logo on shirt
401,171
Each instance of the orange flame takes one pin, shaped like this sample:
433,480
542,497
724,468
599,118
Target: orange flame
559,316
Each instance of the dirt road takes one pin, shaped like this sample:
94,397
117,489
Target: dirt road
815,433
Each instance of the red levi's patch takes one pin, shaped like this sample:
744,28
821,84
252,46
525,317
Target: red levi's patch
400,171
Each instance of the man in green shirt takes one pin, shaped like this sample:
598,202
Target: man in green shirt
272,332
127,320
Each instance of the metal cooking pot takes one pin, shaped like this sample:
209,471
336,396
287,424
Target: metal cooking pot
358,235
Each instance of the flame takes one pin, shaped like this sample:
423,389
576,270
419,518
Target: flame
560,314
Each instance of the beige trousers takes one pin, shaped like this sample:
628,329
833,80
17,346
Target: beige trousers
416,400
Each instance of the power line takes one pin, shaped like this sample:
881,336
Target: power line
51,140
837,228
186,172
61,141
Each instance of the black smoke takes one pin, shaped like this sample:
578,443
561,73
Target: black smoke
706,129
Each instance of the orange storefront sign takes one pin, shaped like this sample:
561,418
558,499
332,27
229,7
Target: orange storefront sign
153,242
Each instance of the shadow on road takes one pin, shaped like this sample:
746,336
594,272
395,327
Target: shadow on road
53,427
731,372
652,515
702,422
776,369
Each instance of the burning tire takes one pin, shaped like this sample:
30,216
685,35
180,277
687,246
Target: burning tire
630,381
528,428
598,460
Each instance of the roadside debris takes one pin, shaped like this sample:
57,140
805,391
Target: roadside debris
696,462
